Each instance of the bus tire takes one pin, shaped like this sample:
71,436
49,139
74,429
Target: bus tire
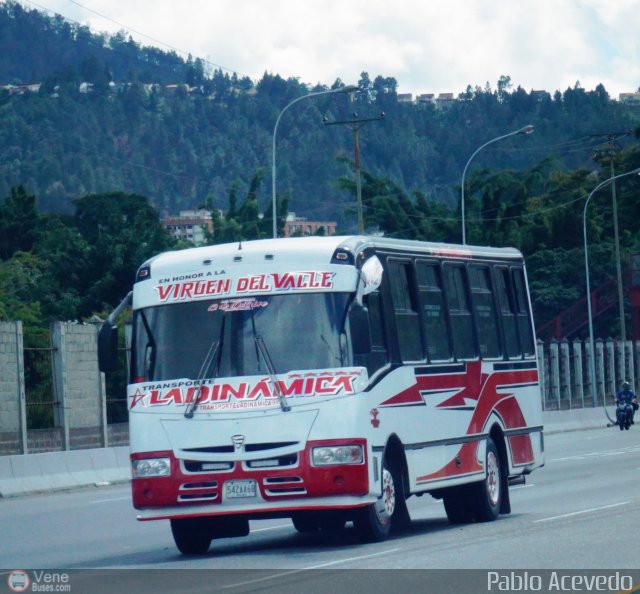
305,522
373,522
488,493
458,503
318,521
191,535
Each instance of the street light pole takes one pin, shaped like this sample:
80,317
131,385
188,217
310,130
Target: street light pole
345,89
592,365
604,153
524,130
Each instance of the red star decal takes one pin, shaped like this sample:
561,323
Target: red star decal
139,396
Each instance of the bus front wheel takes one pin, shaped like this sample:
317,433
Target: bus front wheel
373,522
318,521
191,536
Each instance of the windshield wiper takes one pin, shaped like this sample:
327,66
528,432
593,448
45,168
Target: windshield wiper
339,359
262,347
207,364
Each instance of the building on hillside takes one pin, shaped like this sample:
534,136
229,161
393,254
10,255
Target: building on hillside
405,98
21,89
426,98
631,99
540,95
445,100
301,226
191,225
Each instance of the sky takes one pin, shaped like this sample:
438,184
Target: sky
428,46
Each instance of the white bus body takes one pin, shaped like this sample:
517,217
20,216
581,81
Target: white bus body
327,380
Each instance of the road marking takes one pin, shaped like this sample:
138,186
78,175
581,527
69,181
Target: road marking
521,487
584,511
321,565
627,450
271,528
112,499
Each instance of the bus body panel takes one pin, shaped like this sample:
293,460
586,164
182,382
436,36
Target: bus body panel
242,452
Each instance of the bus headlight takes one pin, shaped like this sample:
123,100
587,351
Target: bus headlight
343,454
150,467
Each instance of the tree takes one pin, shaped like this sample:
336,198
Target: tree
19,220
504,86
245,222
123,230
20,287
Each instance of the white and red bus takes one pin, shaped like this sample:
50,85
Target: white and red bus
328,379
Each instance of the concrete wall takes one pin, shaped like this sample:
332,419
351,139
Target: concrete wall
80,416
12,396
80,386
21,475
565,372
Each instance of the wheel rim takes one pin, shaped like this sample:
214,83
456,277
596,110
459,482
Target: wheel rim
493,478
387,502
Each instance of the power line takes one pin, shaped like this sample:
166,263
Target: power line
420,216
130,29
175,49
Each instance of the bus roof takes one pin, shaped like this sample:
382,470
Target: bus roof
357,243
317,249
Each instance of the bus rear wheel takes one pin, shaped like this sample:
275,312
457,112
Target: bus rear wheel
488,496
480,501
458,503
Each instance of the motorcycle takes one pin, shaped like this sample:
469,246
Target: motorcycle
624,414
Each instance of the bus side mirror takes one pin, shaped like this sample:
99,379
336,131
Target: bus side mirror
360,332
107,347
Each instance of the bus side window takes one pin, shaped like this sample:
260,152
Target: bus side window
506,299
523,314
485,312
379,355
459,312
404,297
434,316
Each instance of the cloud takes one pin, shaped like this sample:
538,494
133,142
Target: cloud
426,46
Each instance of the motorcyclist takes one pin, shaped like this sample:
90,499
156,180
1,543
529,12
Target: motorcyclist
626,396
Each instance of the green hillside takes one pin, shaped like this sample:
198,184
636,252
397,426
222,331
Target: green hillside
154,124
106,129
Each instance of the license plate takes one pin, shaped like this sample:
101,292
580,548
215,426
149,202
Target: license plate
235,489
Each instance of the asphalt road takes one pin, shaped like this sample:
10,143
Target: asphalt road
581,511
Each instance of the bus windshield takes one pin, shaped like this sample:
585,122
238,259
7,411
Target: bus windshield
300,331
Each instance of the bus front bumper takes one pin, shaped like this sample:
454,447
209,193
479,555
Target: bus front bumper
246,486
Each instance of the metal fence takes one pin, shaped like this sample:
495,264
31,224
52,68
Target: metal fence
40,393
565,377
116,384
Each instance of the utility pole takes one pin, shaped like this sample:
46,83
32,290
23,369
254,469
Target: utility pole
607,152
355,124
